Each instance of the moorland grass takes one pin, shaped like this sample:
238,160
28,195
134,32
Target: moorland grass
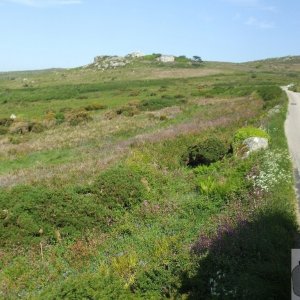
148,226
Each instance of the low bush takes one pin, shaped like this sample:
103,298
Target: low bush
89,286
36,127
122,187
19,127
156,104
59,117
247,132
3,130
182,59
271,95
127,110
77,117
95,106
33,214
6,122
206,152
23,127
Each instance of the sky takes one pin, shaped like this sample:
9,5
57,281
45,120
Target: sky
39,34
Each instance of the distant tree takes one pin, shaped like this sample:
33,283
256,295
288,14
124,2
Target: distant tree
197,58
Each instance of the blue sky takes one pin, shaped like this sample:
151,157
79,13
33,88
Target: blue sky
38,34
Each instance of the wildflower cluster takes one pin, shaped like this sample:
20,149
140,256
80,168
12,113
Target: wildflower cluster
272,171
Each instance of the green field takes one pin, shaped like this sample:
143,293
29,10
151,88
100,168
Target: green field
98,200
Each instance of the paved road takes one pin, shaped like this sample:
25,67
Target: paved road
292,130
292,126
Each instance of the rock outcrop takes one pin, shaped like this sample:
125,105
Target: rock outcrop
166,58
254,144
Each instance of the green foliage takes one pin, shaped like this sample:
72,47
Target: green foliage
156,104
247,132
77,117
225,180
122,186
95,106
205,152
36,127
182,59
271,95
3,130
127,110
88,286
32,214
6,122
59,117
151,57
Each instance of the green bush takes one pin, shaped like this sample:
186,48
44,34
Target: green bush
247,132
77,117
36,127
182,58
3,130
127,110
59,117
271,95
32,214
121,186
6,122
88,286
95,106
156,104
206,152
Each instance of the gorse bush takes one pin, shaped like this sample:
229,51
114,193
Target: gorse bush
36,127
205,152
271,95
95,106
244,133
6,122
77,117
3,130
59,117
122,187
32,214
247,132
156,104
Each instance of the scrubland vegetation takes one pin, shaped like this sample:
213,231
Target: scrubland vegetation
130,185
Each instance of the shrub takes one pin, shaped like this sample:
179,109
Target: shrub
127,110
89,286
95,106
27,209
247,132
271,95
3,130
6,122
19,127
36,127
77,117
182,58
121,186
206,152
156,104
60,117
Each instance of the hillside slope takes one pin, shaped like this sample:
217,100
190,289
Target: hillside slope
130,182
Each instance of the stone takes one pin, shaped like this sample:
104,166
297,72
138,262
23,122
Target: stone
166,58
254,144
135,55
